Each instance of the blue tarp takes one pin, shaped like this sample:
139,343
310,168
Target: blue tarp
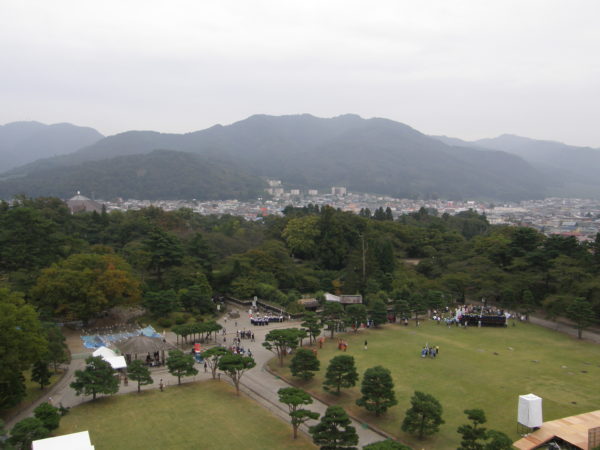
99,340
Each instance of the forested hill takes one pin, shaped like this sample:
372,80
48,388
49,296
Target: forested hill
374,155
24,142
569,171
158,175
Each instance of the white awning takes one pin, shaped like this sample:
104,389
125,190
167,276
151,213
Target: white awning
73,441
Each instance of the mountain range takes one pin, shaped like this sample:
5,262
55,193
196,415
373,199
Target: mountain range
23,142
365,155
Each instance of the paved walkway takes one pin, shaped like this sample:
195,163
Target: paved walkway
256,383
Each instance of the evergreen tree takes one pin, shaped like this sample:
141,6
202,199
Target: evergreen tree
137,371
378,312
48,415
312,325
377,390
527,305
356,314
581,312
424,417
333,316
304,364
341,373
235,366
26,431
500,441
293,398
212,356
282,341
473,435
40,373
98,377
334,430
58,352
181,365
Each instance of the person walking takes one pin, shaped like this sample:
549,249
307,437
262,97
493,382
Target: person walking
365,344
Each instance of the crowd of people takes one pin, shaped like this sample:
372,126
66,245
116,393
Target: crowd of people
431,352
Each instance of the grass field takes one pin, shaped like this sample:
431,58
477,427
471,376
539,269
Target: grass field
206,415
485,368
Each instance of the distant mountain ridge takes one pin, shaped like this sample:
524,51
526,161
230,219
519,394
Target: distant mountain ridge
568,170
161,174
366,155
24,142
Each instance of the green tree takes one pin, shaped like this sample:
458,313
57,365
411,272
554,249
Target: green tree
356,314
181,365
282,341
300,234
473,435
378,312
580,311
58,352
212,356
334,430
312,325
137,371
48,415
84,285
527,305
424,417
377,390
22,343
388,444
294,398
161,303
498,441
304,363
26,431
40,373
341,373
198,296
235,366
333,316
165,250
98,377
28,240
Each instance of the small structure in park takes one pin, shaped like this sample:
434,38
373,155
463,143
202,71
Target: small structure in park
73,441
117,362
581,431
144,346
344,299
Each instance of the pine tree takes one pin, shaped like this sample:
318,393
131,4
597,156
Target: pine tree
304,363
424,417
40,373
341,372
137,371
334,430
377,390
98,377
293,398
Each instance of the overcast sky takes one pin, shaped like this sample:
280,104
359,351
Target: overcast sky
469,69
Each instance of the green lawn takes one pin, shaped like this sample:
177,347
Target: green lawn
485,368
206,415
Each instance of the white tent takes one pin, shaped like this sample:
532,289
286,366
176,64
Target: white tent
104,352
108,355
73,441
530,411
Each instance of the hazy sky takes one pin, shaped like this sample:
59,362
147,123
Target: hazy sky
469,69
